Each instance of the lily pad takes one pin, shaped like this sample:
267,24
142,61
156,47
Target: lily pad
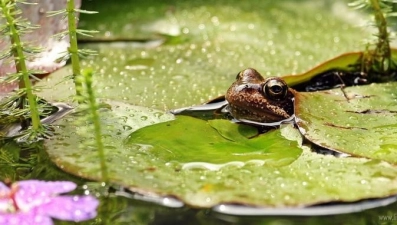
310,179
365,125
192,140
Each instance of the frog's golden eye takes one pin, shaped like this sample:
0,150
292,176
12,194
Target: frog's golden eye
275,88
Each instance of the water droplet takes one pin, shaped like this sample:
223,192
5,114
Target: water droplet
126,127
124,118
364,182
77,213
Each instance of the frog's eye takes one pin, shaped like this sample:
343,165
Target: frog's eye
275,89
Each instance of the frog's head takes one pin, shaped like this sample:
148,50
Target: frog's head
252,97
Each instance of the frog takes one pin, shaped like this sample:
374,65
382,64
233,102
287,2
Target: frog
251,99
258,100
265,102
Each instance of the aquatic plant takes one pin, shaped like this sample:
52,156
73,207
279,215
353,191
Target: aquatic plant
88,102
22,105
74,53
379,55
14,109
85,95
39,201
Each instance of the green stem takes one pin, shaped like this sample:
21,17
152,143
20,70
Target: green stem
73,49
383,46
93,107
20,64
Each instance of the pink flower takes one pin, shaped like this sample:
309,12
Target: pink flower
34,202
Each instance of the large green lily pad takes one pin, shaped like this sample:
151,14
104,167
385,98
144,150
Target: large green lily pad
365,125
203,180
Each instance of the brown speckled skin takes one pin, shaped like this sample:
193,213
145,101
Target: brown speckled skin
247,100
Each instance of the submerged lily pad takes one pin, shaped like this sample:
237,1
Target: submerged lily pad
310,179
365,125
188,139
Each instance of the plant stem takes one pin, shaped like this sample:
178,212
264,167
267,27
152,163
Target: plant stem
20,63
383,46
73,49
93,107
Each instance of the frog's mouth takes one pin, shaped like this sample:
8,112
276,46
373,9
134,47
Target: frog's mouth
256,115
271,124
